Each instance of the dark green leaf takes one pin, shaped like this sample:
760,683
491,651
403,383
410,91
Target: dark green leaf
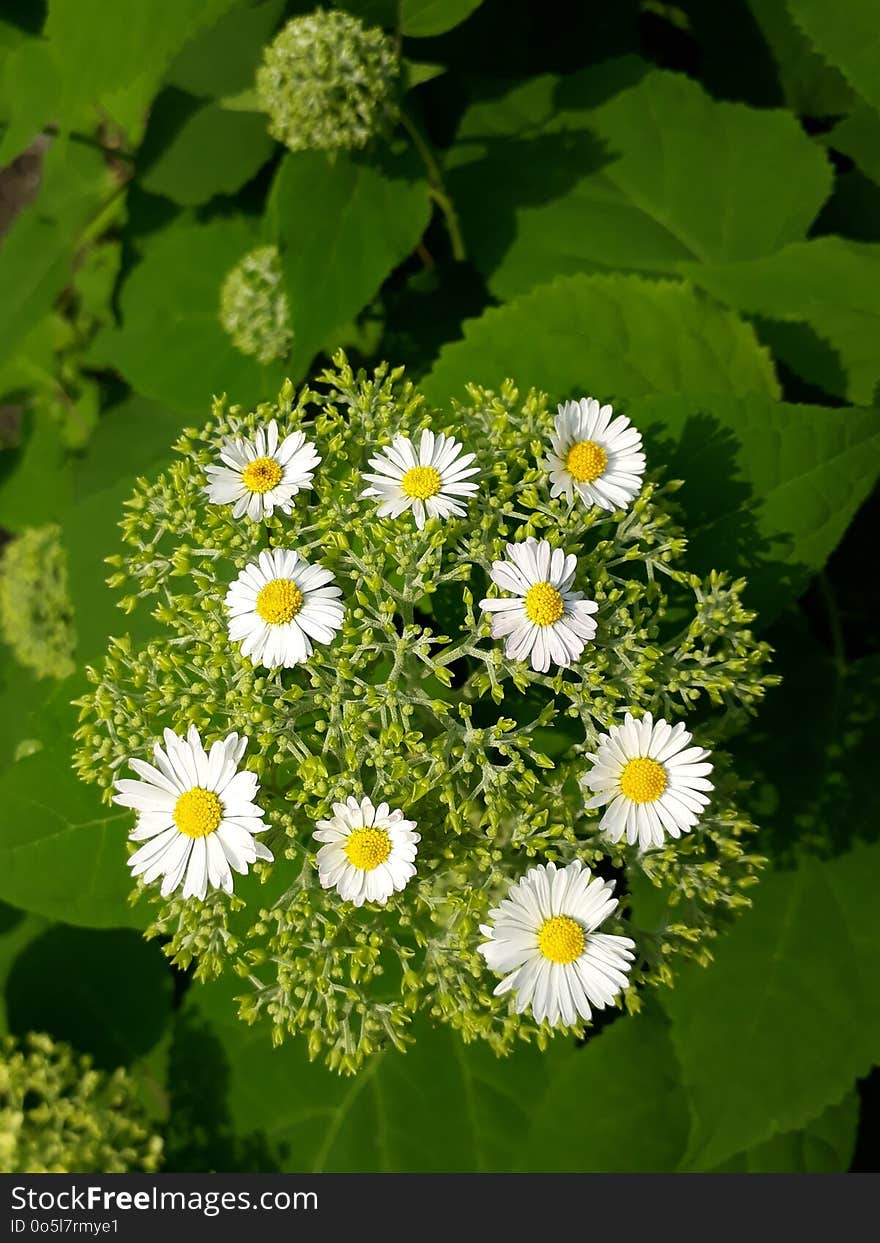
769,488
613,186
214,151
614,1105
828,284
788,1016
609,336
223,59
432,17
343,225
858,136
824,1146
105,993
171,346
853,45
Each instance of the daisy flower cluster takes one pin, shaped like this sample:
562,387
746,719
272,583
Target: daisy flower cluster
434,717
58,1114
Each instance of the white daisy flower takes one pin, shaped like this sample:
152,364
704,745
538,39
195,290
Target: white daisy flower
370,851
545,621
426,480
196,813
654,781
543,940
594,455
261,475
278,605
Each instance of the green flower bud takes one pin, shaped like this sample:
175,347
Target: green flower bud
36,615
328,82
254,310
58,1115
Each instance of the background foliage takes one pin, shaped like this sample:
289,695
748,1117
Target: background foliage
672,207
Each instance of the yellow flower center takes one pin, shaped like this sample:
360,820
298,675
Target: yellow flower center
561,939
198,812
261,474
586,461
279,601
420,482
544,604
367,848
643,781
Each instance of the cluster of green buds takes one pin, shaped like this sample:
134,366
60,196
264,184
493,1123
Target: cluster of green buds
60,1115
36,615
417,705
254,310
328,82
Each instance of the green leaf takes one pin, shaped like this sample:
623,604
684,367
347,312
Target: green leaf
829,799
30,95
769,488
858,136
36,481
613,1105
110,993
852,45
222,60
421,18
343,226
831,286
171,346
17,930
608,335
112,57
214,151
36,257
613,186
62,852
416,72
788,1015
133,438
809,85
825,1146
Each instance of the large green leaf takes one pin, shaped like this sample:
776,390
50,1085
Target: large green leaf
433,17
62,851
343,225
112,57
612,336
829,799
30,95
213,151
575,188
110,992
849,40
769,488
824,1146
17,930
828,288
858,136
614,1105
810,86
789,1014
171,346
222,60
35,260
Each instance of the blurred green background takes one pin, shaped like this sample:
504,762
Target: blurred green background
673,207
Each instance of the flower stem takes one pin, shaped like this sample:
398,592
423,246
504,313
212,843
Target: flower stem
438,190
